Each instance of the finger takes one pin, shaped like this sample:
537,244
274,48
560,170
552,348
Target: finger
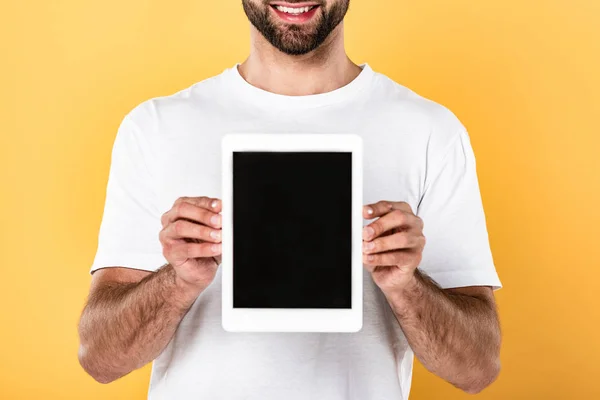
184,251
192,212
402,205
209,203
399,258
377,209
382,207
182,229
397,241
216,205
394,219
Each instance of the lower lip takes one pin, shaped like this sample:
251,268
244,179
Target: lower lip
296,18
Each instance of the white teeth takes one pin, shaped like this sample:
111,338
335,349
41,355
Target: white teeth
295,11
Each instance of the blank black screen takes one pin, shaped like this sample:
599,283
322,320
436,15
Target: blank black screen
292,229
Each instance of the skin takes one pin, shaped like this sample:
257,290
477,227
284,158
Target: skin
131,315
455,333
139,311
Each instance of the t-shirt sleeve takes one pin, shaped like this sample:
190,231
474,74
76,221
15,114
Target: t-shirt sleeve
128,235
457,252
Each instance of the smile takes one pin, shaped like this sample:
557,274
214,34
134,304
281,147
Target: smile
295,12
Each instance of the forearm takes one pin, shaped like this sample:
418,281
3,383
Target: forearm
455,336
126,325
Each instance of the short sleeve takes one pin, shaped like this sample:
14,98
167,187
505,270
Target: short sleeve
457,252
128,235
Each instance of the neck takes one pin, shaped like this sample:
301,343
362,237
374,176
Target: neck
322,70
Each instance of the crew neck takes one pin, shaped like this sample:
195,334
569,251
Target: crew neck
255,95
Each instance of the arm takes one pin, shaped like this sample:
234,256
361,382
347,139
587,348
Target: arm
455,332
129,318
131,315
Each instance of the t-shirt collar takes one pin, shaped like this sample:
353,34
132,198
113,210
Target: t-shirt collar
243,90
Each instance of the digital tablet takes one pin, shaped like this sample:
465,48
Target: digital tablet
291,240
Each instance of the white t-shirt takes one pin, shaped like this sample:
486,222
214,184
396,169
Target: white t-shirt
414,150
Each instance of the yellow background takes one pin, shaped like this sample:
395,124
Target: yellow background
523,76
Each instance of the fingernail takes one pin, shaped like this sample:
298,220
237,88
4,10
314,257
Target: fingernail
215,234
215,219
369,245
370,258
214,204
369,211
369,231
215,247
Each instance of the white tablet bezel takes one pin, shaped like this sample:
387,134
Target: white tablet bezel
292,320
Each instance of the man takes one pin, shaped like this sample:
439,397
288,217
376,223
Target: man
155,292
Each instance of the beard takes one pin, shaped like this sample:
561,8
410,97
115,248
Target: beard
295,39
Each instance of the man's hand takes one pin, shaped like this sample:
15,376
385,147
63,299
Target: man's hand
393,244
132,315
191,239
455,333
